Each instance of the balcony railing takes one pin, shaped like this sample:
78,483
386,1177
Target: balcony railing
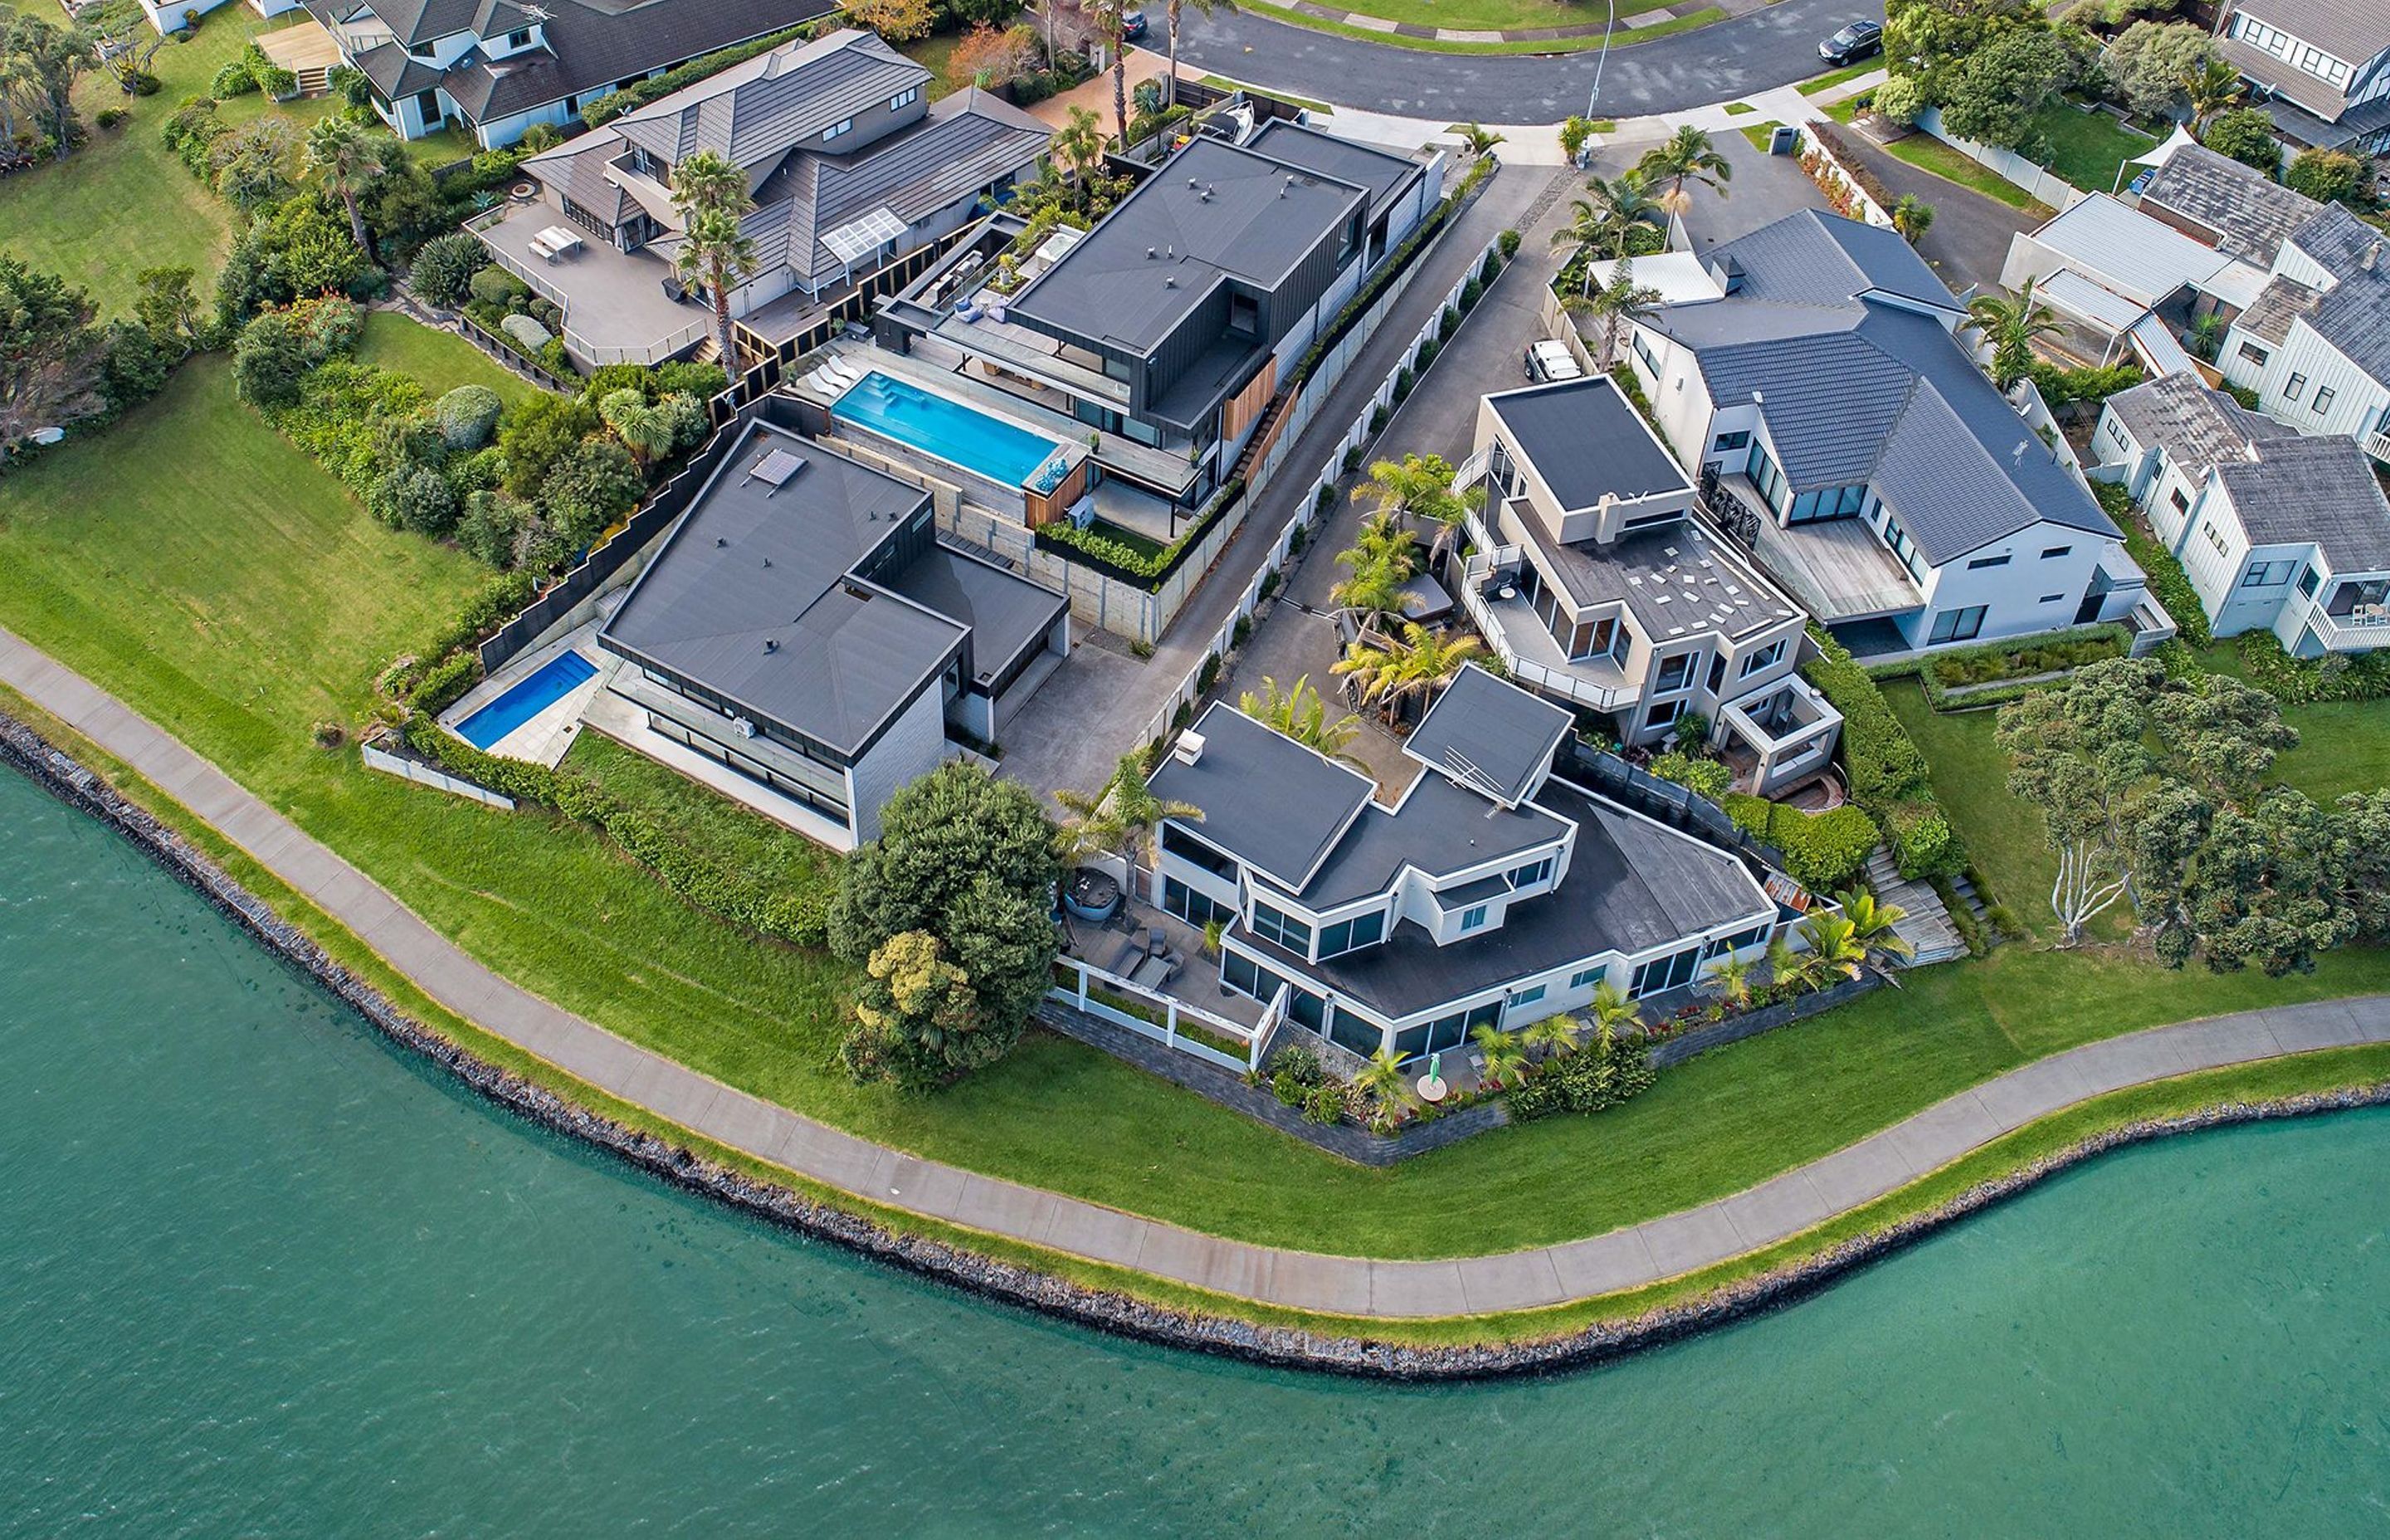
1526,670
2377,444
2354,633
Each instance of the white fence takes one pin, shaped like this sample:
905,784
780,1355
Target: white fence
1173,1013
2007,164
423,775
1357,436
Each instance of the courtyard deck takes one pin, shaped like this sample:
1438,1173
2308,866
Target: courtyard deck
1837,569
615,307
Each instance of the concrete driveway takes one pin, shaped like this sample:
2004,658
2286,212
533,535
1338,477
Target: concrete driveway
1969,237
1770,47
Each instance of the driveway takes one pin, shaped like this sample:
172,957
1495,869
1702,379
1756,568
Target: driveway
1764,189
1771,47
1969,237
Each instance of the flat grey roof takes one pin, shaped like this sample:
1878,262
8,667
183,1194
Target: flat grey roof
1632,886
1299,145
751,564
1439,829
1488,734
1585,439
1267,799
1007,615
1676,579
1211,213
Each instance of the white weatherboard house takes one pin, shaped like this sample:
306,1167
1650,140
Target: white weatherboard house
1591,578
2323,67
1489,892
2316,344
1819,383
2276,531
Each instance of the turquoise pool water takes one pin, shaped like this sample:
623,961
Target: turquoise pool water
957,435
555,679
266,1276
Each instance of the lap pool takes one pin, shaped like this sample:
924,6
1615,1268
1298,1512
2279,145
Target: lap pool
972,440
555,679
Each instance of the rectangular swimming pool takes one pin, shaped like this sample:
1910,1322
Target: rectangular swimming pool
944,428
555,679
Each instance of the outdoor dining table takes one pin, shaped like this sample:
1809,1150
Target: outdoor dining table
554,241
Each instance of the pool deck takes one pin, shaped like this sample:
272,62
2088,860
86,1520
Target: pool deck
546,737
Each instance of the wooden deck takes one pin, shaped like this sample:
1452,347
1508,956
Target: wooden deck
301,49
1838,570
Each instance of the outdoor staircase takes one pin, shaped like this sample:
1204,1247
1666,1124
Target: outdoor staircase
1926,924
1974,900
315,81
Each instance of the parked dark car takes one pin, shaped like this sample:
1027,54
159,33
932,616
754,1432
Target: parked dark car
1857,41
1132,26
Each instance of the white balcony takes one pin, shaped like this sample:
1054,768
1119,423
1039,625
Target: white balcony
1517,635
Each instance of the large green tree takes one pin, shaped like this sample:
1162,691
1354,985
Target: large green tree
50,354
40,62
1929,38
2155,63
2246,134
1992,95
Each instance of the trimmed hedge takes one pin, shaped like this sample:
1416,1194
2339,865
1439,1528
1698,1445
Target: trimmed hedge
1117,559
2167,580
613,103
800,918
1823,853
1971,669
1888,771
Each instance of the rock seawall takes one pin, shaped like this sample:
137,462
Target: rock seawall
1106,1311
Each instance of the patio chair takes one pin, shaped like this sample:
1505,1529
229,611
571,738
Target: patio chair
1126,959
839,372
1173,964
1156,943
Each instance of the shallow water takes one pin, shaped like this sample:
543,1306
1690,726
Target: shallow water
261,1274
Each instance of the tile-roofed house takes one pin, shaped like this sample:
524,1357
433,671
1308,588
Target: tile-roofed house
1845,431
2323,67
851,168
1594,582
1445,909
802,626
2275,530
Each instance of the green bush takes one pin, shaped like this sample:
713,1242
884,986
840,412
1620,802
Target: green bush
467,416
1509,242
446,265
446,682
236,79
1707,778
1823,853
269,362
1324,1105
1884,766
1997,660
2167,581
1922,841
2299,681
495,285
1596,1077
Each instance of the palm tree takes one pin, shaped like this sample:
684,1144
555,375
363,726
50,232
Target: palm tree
1555,1036
712,196
2010,326
1686,155
1381,561
1392,673
1785,967
1612,1011
644,430
1505,1056
1731,978
1170,13
1386,1085
1615,304
2212,87
1301,715
1912,216
347,159
1111,18
1121,817
1604,223
1419,486
1834,948
1081,149
1479,140
1872,926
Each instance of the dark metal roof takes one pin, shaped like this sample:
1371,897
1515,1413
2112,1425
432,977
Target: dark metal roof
2353,315
1633,887
590,47
1492,736
2296,490
750,596
1007,615
754,110
1269,801
1387,176
1585,440
2248,213
1438,828
1211,213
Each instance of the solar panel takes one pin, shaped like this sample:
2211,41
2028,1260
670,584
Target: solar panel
775,468
861,238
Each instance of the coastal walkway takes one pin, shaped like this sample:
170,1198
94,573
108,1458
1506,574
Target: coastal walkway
1350,1286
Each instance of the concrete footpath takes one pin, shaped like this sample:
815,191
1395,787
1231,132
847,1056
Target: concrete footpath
1350,1286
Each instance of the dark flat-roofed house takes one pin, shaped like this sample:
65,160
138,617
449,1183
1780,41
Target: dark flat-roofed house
1490,891
2323,67
500,65
1172,321
1838,421
1591,576
802,626
851,164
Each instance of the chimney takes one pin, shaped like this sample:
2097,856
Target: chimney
2373,253
1191,747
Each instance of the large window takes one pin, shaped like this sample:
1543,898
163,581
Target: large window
1247,977
1766,657
1827,503
1586,977
1446,1033
1761,468
2268,574
1902,546
1534,874
1276,925
1675,672
1473,918
1665,973
1959,625
1191,906
1349,935
1198,852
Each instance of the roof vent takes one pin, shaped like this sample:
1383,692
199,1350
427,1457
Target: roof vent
1192,184
1168,281
1151,253
771,645
767,561
719,543
1191,747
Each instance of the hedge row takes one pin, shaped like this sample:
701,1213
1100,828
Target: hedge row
1887,771
1119,559
1824,853
800,918
2167,580
613,103
1971,669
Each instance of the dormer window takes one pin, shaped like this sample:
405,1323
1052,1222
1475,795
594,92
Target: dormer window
903,100
834,129
519,38
423,50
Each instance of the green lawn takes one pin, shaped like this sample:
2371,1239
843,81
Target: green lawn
1626,34
1827,82
441,360
193,563
1736,110
1928,153
2088,148
2344,744
1760,135
122,202
1494,15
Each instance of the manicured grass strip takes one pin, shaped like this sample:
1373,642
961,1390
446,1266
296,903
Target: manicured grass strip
440,360
2088,148
1760,134
1624,38
2271,1079
1827,82
1928,153
1736,110
1490,16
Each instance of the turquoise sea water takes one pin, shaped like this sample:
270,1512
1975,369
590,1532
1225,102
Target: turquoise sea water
261,1274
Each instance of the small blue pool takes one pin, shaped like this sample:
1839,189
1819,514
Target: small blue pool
556,679
947,430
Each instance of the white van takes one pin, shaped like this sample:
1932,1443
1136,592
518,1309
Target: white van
1550,360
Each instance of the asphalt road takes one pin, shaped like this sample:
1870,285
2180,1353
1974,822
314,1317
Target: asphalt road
1767,49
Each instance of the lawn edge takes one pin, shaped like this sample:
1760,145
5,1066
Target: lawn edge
1121,1301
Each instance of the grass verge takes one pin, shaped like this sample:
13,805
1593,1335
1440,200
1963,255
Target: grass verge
1626,37
1928,153
439,360
1760,135
1825,83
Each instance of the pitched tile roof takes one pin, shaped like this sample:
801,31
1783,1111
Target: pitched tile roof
752,112
592,44
2250,213
2198,427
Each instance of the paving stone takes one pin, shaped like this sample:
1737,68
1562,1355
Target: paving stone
1859,1173
1416,1288
1784,1206
1513,1280
1693,1238
1603,1264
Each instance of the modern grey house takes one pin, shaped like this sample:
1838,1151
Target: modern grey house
2275,530
850,164
2322,67
497,67
1490,891
1812,371
1592,579
1173,321
802,626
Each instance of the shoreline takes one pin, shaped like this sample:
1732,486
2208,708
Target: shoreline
75,784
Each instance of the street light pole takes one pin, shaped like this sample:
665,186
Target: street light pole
1592,100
